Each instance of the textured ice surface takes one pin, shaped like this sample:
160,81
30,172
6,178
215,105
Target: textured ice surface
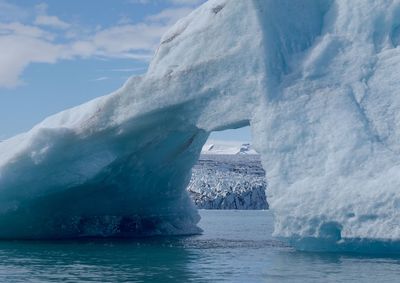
235,181
317,80
329,127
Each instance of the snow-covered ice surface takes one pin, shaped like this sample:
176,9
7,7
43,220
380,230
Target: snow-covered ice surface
328,130
318,82
233,181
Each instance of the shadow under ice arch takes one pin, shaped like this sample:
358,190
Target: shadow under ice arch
306,75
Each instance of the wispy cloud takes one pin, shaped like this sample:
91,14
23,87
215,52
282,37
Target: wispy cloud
10,12
129,41
170,16
43,19
142,2
51,21
100,79
21,45
18,29
48,39
128,70
173,2
186,2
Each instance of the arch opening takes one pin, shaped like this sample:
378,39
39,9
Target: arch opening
229,174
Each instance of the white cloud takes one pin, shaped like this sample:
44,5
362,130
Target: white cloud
173,2
49,39
142,2
170,16
51,21
24,30
22,45
43,19
41,8
100,79
128,70
10,12
18,51
123,41
186,2
126,38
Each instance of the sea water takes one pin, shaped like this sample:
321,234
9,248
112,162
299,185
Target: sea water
236,246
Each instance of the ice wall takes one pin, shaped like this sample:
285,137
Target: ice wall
316,80
328,130
119,165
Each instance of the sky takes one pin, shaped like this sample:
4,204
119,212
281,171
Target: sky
58,54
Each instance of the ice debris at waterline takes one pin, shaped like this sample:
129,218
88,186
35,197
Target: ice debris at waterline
318,82
231,181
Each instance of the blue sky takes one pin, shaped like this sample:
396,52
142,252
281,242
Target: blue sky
57,54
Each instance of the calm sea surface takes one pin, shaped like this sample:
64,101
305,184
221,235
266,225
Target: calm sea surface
236,246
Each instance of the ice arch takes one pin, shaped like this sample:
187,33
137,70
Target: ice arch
316,80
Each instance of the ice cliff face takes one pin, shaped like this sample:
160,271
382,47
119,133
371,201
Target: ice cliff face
317,80
234,181
329,127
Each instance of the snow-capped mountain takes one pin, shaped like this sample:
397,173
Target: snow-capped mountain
227,147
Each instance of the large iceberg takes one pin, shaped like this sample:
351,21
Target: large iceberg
315,79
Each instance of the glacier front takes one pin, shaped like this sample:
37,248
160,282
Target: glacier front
315,79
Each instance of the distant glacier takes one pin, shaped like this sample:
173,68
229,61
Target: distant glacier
228,181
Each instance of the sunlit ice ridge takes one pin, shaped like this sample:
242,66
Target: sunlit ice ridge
316,80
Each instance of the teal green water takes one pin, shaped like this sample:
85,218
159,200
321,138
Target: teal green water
236,246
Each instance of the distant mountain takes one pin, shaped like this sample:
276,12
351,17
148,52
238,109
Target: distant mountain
227,147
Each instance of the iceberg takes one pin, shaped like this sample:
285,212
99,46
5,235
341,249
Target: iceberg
317,81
